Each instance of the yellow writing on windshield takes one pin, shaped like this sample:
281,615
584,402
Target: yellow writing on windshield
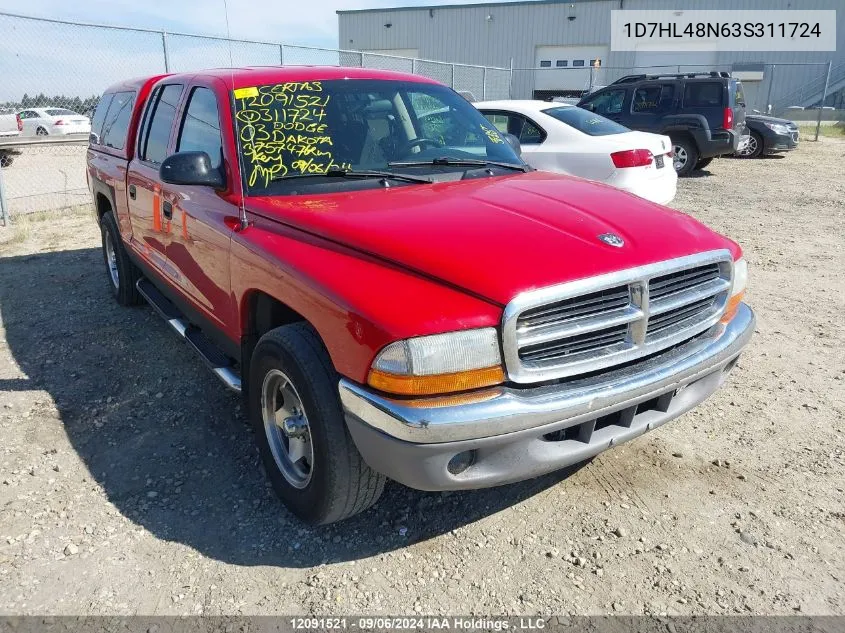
282,130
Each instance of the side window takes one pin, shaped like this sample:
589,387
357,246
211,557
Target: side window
100,115
530,134
609,102
201,127
161,115
116,123
646,99
511,123
703,94
500,121
28,114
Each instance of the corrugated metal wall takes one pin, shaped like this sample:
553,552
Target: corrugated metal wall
496,34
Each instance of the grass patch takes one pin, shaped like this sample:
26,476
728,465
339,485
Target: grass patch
830,131
22,225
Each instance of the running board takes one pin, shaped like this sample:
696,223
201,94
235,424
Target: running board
219,363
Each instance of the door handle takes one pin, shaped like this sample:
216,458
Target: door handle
132,192
167,210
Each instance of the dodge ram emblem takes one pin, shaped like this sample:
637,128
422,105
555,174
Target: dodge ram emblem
611,239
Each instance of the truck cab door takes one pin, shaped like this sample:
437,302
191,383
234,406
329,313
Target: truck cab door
201,220
150,226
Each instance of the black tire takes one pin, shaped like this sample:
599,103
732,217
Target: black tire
340,483
756,143
40,131
684,147
702,163
123,277
6,160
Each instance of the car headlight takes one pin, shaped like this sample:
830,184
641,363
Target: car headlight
777,128
740,279
439,364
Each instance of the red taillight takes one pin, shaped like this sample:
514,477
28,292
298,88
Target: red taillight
59,122
20,123
632,158
728,118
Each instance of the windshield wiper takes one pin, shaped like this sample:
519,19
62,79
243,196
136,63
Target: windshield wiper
459,162
351,173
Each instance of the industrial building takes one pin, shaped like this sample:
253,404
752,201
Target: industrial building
563,48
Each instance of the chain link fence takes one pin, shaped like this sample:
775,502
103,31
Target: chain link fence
53,70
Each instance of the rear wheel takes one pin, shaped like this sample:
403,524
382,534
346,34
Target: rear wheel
121,272
310,458
754,147
701,164
685,155
41,131
6,160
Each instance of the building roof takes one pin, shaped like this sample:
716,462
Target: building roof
462,6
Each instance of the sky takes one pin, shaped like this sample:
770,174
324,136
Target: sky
274,20
59,59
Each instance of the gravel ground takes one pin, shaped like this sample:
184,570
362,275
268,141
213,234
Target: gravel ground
129,483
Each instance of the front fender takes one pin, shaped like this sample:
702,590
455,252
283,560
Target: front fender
358,304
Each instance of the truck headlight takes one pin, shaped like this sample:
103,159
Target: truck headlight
438,364
740,279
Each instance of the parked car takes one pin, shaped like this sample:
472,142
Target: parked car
565,139
46,121
399,296
10,127
703,113
768,135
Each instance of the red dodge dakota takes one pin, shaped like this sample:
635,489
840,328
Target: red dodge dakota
395,292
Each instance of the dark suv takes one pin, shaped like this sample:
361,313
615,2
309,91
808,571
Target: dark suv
703,113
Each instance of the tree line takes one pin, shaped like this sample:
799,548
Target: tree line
77,104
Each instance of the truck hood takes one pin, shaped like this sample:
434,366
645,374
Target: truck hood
496,237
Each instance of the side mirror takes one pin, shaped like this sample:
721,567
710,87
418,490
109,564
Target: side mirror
514,143
93,139
589,106
191,168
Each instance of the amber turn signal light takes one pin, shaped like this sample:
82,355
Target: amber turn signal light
436,384
732,307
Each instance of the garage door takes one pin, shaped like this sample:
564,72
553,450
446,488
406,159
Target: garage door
566,68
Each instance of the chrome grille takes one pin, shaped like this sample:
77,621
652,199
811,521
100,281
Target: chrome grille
595,323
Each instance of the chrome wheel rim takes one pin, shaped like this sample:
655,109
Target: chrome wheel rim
287,429
750,147
680,157
111,261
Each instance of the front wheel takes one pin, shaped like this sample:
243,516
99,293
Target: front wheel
307,452
685,155
754,147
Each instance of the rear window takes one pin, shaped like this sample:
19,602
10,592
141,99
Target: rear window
100,114
739,95
703,94
59,112
116,125
587,122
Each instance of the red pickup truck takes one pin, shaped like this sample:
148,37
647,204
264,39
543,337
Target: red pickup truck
394,291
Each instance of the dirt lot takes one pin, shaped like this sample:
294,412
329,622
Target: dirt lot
129,482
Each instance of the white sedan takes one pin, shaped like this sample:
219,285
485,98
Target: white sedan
46,121
566,139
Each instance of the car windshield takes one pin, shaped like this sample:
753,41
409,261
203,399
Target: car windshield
586,121
317,128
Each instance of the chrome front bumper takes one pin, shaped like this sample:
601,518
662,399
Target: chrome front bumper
518,433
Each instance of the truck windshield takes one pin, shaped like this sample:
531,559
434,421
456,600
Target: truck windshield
320,127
